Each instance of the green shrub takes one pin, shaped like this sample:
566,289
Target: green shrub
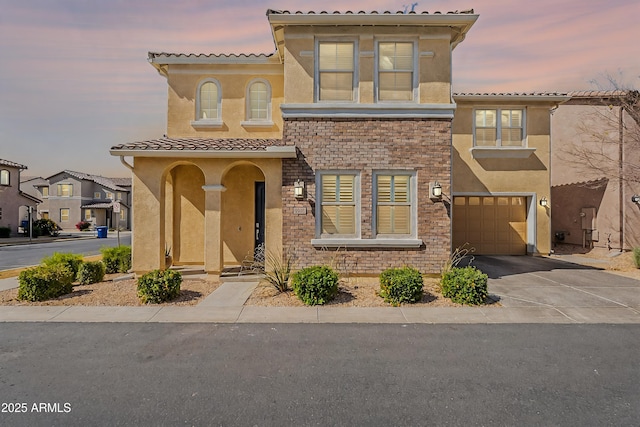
398,285
117,259
636,257
465,285
71,261
45,227
159,286
44,282
315,285
91,272
5,232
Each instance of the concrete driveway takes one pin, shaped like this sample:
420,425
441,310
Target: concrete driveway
580,293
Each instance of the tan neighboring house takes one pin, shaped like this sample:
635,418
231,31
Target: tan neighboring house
12,199
70,197
596,170
340,141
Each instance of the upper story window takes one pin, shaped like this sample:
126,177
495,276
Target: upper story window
394,200
4,177
339,204
109,195
499,128
335,74
65,190
258,103
45,191
97,195
396,71
208,104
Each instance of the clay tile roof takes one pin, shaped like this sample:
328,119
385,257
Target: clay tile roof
11,164
201,144
362,12
597,93
248,56
549,94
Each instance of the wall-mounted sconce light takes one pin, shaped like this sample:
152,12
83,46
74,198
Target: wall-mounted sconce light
544,202
635,199
298,189
435,191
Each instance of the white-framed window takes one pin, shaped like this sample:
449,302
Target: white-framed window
396,71
119,195
338,210
64,215
335,74
394,201
88,214
97,195
208,103
4,177
499,127
109,195
123,214
65,190
259,100
45,191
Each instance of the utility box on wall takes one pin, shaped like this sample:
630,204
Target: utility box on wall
589,231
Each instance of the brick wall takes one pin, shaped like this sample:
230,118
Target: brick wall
368,145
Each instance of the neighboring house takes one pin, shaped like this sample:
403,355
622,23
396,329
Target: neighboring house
12,199
69,197
596,170
339,145
32,186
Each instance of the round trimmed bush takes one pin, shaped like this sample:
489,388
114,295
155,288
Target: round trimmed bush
69,260
398,285
315,285
159,286
91,272
465,285
44,282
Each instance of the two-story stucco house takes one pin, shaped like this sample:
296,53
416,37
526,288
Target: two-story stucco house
70,197
12,199
342,140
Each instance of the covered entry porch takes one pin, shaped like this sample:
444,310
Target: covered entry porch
207,206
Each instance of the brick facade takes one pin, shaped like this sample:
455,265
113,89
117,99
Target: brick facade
368,145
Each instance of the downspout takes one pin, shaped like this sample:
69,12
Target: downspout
127,165
621,175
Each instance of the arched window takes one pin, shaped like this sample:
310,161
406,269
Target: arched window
258,103
208,104
4,177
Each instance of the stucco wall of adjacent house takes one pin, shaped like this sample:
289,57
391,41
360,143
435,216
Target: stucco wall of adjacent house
514,176
577,185
183,81
11,200
434,60
157,180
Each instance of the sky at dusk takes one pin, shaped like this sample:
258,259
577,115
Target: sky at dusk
74,76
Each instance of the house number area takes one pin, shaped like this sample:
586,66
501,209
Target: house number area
299,211
39,407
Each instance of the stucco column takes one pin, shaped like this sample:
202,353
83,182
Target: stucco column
148,241
212,231
273,207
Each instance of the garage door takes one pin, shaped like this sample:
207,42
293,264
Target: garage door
492,225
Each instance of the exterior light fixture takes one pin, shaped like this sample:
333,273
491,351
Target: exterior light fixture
435,191
298,189
544,202
635,199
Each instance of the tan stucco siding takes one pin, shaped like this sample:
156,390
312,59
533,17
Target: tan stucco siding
233,79
201,236
434,60
495,176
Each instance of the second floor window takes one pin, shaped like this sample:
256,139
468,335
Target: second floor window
208,101
45,191
499,128
65,190
4,177
336,71
258,101
396,71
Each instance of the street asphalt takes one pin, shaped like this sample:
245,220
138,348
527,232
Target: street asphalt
527,290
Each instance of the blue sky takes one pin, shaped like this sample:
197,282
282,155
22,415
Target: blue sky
74,76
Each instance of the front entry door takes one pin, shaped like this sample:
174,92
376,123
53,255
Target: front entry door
259,214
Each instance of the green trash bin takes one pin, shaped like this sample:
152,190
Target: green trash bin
102,232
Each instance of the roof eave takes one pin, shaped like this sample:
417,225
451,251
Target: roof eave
512,98
281,152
